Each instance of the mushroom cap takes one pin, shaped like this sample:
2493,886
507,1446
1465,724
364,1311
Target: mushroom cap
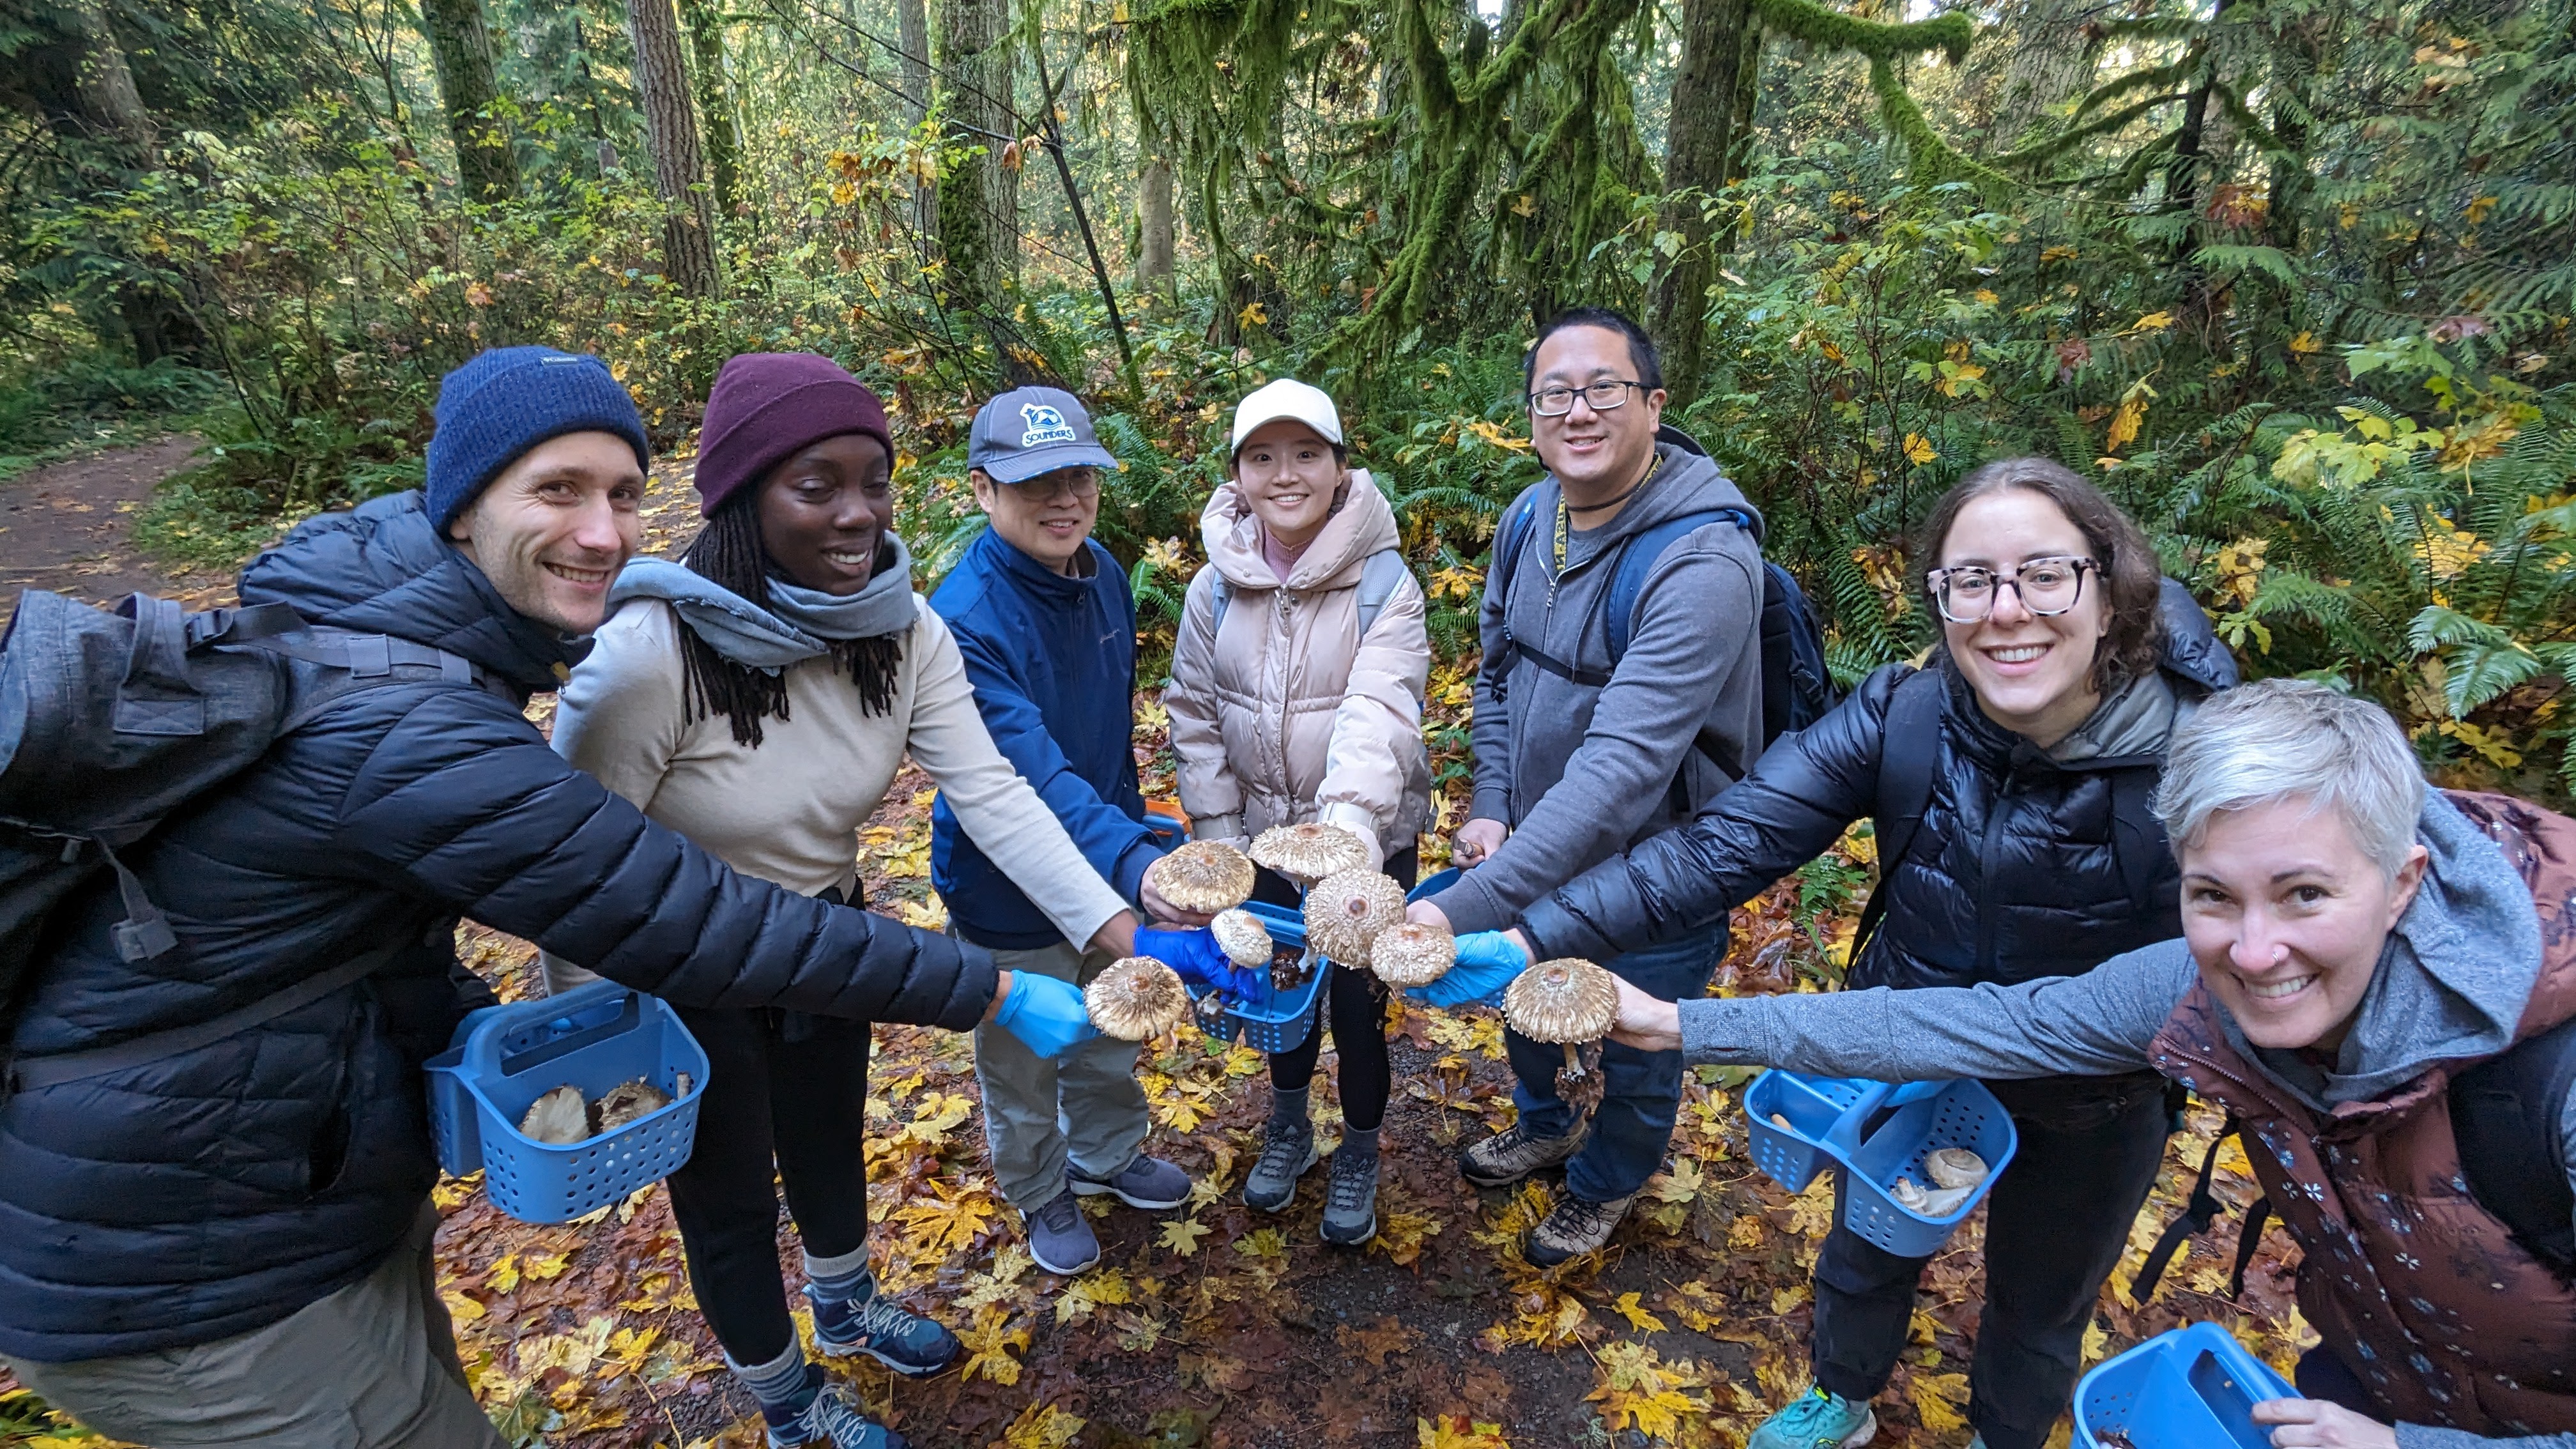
1245,939
1411,954
1135,997
559,1118
1311,851
1954,1167
1204,875
1346,910
628,1101
1565,1000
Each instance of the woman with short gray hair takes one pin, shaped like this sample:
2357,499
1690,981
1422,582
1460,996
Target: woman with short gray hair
2353,945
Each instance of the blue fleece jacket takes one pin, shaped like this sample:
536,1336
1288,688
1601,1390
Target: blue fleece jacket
1053,662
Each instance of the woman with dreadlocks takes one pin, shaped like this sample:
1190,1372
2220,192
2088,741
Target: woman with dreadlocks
758,696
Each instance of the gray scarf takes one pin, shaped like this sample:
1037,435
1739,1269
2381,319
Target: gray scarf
798,625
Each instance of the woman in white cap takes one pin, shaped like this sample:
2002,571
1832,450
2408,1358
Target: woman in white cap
1297,687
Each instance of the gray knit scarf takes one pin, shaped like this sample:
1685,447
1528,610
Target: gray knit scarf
799,624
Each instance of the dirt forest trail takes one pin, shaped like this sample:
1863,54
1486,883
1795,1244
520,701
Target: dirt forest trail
1212,1325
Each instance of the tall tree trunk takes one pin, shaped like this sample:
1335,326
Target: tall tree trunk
105,85
671,132
1696,154
979,200
460,45
2051,63
715,101
1154,227
122,141
1748,97
912,22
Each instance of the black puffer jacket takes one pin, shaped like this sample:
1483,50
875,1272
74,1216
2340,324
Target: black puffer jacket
2015,871
207,1194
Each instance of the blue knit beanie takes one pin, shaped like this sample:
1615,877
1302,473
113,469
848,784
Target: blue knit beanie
507,400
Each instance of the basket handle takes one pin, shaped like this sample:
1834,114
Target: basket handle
1871,1110
525,1036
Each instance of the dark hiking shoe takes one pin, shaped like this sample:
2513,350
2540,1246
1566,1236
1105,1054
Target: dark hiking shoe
1514,1153
1287,1150
1059,1239
884,1330
1350,1199
1577,1226
1144,1183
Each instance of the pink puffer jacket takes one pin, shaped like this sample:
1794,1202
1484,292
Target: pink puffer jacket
1284,714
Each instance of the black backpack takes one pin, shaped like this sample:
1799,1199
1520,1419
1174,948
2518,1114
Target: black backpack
2506,1115
1797,688
110,722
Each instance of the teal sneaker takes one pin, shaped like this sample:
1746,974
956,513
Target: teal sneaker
1816,1420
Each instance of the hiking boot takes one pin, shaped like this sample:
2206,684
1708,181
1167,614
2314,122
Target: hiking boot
1059,1239
828,1418
1350,1199
1143,1183
1514,1153
1576,1227
1816,1420
884,1330
1287,1150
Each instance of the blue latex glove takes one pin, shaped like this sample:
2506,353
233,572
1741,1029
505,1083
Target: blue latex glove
1045,1013
1487,962
1198,960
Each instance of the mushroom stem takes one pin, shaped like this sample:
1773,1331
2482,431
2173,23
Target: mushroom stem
1573,1062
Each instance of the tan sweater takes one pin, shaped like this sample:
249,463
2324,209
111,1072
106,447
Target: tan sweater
790,810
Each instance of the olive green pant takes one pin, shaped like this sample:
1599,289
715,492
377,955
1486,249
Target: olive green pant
1083,1108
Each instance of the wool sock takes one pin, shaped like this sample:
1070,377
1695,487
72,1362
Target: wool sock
783,1386
1363,1142
839,1279
1288,1109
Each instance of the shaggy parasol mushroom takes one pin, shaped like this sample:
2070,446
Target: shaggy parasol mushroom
1307,853
1244,939
1346,910
1135,997
1204,875
559,1118
1567,1001
1412,954
626,1102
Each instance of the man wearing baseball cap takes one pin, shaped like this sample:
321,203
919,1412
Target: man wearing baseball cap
1047,628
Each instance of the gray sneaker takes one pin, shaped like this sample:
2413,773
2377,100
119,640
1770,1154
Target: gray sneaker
1287,1150
1059,1239
1577,1226
1514,1153
1143,1183
1350,1201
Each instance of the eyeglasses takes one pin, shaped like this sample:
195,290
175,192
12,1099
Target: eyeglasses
1556,402
1078,482
2047,587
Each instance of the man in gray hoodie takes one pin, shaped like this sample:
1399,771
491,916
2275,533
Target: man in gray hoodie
1594,733
2353,945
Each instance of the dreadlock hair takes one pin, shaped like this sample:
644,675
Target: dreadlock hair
727,552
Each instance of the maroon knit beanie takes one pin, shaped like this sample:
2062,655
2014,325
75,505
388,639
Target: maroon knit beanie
768,405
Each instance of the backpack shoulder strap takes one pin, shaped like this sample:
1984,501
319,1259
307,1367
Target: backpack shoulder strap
1510,542
1220,594
2203,1209
1909,750
2506,1115
1379,577
1637,555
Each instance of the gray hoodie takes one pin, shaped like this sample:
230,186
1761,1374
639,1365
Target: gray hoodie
1579,772
2451,984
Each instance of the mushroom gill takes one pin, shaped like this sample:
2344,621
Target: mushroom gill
1135,997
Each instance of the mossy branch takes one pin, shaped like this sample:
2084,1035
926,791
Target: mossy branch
1828,29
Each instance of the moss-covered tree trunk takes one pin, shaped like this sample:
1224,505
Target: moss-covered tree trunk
671,132
1698,148
715,101
912,27
1154,227
2050,63
979,196
460,46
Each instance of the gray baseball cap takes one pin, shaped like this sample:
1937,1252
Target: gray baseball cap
1032,430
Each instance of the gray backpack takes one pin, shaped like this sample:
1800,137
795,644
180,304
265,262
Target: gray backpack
111,721
1378,578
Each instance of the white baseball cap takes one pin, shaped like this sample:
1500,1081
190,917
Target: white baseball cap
1287,398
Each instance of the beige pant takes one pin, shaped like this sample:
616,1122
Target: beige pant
1041,1113
373,1366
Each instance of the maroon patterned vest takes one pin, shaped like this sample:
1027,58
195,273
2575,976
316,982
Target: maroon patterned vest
2422,1292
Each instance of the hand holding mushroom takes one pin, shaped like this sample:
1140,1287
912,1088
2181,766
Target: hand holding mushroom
1136,998
1200,957
1195,881
1307,853
1045,1013
1570,1002
1487,962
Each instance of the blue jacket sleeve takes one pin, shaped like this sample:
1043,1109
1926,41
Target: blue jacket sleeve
463,800
1118,847
1797,800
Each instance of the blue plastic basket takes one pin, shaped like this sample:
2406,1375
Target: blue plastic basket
594,1037
1877,1132
1278,1021
1434,884
2190,1388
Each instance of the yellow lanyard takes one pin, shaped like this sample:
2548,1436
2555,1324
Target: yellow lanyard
1564,521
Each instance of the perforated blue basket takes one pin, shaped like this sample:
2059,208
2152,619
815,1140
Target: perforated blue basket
1278,1021
594,1037
2189,1388
1877,1132
1434,884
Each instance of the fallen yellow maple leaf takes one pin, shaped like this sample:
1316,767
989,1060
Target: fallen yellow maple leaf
1631,1308
1182,1235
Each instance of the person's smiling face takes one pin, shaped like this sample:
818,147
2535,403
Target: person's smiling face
2286,916
1593,452
1289,477
2033,675
1047,517
552,529
825,512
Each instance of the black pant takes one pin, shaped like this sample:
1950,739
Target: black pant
2055,1224
786,1088
1356,1006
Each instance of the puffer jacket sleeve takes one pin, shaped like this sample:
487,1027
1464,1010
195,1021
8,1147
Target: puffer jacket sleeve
1377,730
464,800
1797,800
1209,790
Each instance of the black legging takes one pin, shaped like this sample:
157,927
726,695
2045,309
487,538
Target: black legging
1357,1010
782,1087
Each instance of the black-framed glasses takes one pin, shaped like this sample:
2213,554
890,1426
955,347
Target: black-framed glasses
1608,393
2047,586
